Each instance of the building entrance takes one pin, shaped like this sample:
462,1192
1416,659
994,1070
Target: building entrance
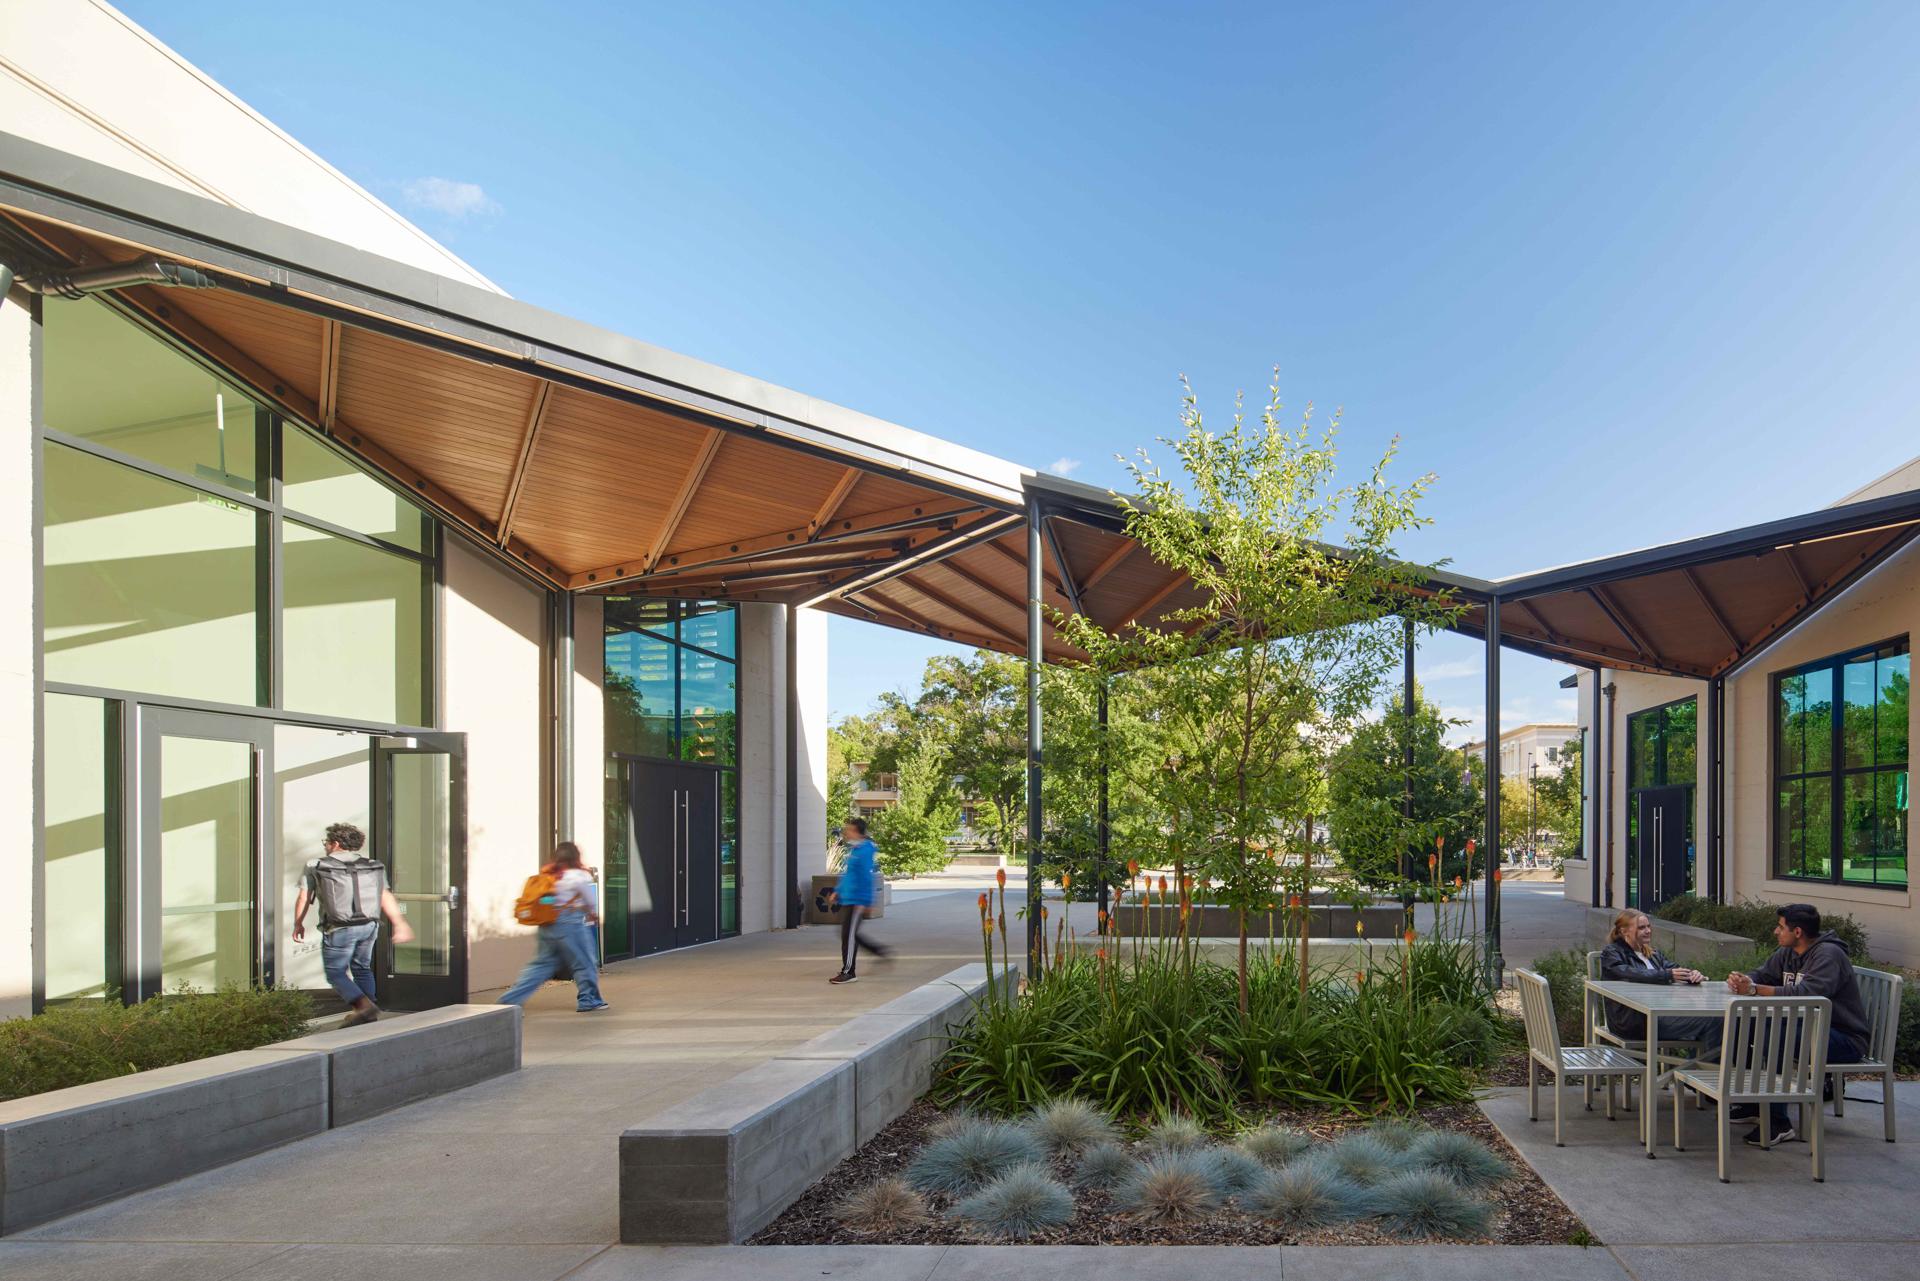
672,872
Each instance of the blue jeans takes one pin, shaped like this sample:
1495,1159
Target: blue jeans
570,940
346,954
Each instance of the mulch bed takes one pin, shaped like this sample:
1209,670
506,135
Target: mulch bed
1526,1210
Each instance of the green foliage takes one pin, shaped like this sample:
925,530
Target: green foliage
1427,1205
1176,1134
1461,1157
1754,919
1366,789
96,1041
1906,1049
1557,795
1017,1204
910,837
887,1206
973,711
1566,976
972,1155
1160,1034
1305,1195
1170,1187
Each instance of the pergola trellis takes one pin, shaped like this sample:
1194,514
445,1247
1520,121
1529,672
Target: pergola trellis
593,463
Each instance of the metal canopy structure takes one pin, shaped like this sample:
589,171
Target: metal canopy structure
596,463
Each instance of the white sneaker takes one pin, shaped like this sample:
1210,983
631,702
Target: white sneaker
1788,1135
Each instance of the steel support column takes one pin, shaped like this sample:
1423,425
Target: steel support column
1716,885
1592,754
1495,963
794,896
1036,654
1104,818
1406,756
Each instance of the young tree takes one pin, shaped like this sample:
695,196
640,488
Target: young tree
911,835
973,711
1297,619
1557,794
1366,795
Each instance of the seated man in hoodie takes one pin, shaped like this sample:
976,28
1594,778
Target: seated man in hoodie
1808,963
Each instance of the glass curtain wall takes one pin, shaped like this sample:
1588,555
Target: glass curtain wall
671,694
199,550
1840,780
1663,748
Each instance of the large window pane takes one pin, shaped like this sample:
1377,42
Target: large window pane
1787,808
1894,677
1891,809
729,852
1859,829
615,870
206,862
322,483
105,378
707,721
149,585
1817,722
321,777
624,612
710,627
82,872
1816,842
1680,732
639,695
355,619
1856,722
1789,708
1643,745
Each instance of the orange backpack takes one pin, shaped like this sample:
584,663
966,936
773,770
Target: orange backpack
535,905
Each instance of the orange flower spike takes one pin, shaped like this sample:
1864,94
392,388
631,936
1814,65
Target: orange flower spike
1457,882
986,928
1133,867
1163,885
1433,860
1470,845
1359,927
1410,936
1001,877
1360,976
1043,911
1066,880
983,902
1496,875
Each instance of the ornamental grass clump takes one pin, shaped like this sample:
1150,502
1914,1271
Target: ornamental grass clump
1235,1170
1399,1133
1467,1161
954,1120
881,1208
1170,1187
1307,1195
1275,1145
972,1155
1102,1166
1176,1134
1068,1127
1427,1205
1017,1204
1365,1159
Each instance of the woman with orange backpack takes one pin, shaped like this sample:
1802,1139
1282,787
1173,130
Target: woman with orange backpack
563,900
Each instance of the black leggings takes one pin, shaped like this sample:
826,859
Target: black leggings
850,940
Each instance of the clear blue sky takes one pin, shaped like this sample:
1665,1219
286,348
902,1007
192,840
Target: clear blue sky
1617,274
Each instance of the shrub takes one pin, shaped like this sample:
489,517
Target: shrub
1274,1145
883,1207
1235,1170
1017,1204
1365,1159
1102,1166
1427,1204
1398,1133
1176,1134
1068,1127
1906,1049
1566,976
954,1120
1169,1187
1462,1158
1754,919
972,1155
96,1041
1306,1195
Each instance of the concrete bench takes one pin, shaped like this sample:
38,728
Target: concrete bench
1684,943
68,1149
722,1165
405,1058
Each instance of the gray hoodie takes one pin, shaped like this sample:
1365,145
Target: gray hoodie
1826,970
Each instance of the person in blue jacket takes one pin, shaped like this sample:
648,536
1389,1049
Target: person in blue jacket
855,895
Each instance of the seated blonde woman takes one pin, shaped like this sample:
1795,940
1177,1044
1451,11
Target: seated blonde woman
1630,958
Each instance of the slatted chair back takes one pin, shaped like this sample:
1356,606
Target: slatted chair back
1536,1011
1775,1047
1599,1007
1880,993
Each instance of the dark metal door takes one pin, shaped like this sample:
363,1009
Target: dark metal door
675,891
1662,852
699,855
420,833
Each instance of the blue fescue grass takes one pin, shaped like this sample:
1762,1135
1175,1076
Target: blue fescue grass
1170,1187
1102,1166
1274,1145
1427,1205
883,1207
1460,1157
1398,1133
1235,1170
1015,1205
971,1155
1176,1134
1068,1127
1365,1159
1305,1195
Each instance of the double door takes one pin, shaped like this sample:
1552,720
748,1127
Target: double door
205,879
674,892
1664,857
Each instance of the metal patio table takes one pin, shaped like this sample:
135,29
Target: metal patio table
1656,1000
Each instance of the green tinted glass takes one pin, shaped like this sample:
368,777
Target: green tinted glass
355,621
322,483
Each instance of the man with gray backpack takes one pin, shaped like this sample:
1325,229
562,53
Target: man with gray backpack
352,893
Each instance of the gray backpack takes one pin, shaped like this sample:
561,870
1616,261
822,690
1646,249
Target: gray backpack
347,890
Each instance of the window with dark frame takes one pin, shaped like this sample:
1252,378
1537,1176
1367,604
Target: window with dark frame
1840,778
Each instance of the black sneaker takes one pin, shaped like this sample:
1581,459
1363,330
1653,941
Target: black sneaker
1743,1112
1786,1135
844,977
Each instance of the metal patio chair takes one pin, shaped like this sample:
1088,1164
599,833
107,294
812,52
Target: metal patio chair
1880,993
1775,1051
1581,1062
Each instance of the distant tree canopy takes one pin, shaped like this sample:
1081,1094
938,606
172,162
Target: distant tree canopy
1366,789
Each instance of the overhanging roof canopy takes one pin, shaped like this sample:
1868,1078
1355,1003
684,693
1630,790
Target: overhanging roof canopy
597,463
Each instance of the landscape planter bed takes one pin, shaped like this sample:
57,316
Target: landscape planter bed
1526,1211
1210,920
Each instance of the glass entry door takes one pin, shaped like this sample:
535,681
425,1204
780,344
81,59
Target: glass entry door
419,832
199,862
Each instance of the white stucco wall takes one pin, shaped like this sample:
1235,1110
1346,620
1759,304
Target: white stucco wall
589,728
19,685
494,650
812,772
